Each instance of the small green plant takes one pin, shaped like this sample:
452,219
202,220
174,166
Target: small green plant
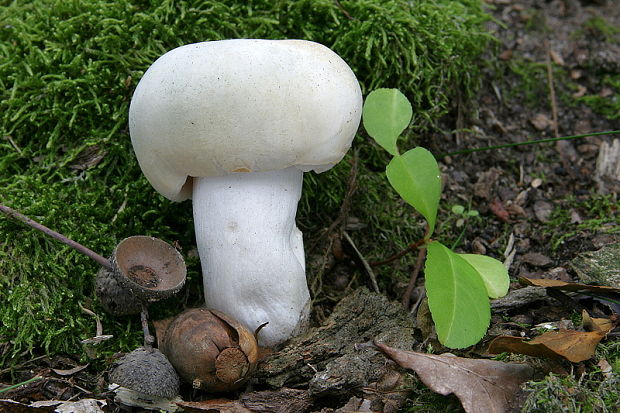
458,286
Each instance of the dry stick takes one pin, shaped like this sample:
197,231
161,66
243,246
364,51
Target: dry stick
554,105
414,277
79,247
367,267
407,250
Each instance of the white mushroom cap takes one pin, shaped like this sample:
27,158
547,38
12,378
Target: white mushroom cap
209,109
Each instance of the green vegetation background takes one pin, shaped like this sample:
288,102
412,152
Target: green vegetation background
67,73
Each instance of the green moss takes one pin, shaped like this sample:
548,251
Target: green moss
598,213
600,27
67,73
607,105
590,393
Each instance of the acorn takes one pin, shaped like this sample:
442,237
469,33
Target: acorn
210,350
145,378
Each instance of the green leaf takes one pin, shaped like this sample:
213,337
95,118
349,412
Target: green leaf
493,273
386,114
457,297
458,209
415,176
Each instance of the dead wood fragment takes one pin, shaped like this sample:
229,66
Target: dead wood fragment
281,401
336,360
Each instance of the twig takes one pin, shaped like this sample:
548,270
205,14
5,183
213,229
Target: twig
99,331
371,274
414,277
75,245
12,142
346,13
345,206
407,250
554,105
144,319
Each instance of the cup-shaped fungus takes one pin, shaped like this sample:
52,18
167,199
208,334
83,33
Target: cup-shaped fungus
233,125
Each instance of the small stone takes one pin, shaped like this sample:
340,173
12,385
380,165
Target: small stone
543,210
541,122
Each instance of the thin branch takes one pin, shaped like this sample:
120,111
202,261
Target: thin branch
59,237
554,105
407,250
414,277
371,274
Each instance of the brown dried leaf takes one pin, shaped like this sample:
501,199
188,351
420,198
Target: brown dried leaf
69,372
89,157
602,325
574,346
566,286
481,385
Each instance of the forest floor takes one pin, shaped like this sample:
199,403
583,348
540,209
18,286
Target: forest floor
549,206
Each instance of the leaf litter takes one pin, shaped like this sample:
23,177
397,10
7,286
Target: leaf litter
482,386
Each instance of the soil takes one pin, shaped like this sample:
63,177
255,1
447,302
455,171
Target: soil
514,189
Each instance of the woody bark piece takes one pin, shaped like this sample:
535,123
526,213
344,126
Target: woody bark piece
336,359
280,401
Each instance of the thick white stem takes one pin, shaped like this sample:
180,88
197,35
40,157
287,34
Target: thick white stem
251,251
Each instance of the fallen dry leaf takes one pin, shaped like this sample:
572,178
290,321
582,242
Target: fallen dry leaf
606,368
484,386
69,372
574,346
603,325
567,286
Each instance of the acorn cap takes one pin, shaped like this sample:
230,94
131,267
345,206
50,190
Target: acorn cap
151,268
146,371
114,298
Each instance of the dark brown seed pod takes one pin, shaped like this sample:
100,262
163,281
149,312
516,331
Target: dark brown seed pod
147,372
114,298
210,350
151,268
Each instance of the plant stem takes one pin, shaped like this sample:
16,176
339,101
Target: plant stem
510,145
396,256
414,277
75,245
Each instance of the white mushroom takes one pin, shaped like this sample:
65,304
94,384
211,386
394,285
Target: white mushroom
233,124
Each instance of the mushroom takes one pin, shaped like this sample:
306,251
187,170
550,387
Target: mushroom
233,124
